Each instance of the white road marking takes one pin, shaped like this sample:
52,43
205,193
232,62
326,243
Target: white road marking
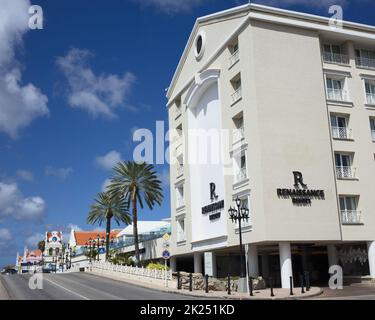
60,286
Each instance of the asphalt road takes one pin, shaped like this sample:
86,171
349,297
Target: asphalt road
81,286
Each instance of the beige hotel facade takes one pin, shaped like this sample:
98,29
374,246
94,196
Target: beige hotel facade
298,98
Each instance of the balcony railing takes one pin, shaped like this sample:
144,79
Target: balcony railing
179,147
370,98
178,112
180,171
343,133
365,63
235,57
351,217
241,175
238,135
337,94
373,135
335,58
180,202
346,172
237,95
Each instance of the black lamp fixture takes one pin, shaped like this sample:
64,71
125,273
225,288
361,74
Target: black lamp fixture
240,214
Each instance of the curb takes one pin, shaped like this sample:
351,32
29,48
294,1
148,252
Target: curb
207,296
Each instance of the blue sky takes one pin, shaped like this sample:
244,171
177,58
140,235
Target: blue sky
96,72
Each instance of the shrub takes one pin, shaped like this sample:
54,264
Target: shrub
157,266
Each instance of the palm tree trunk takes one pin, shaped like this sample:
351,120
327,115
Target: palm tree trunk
107,234
135,227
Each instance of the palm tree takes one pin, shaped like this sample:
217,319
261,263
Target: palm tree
105,208
137,183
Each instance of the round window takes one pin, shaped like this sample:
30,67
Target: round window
199,45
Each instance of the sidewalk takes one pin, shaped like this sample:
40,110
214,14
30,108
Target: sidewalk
258,294
3,292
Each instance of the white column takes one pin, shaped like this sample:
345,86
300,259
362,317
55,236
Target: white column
332,255
197,263
173,264
252,257
371,258
285,264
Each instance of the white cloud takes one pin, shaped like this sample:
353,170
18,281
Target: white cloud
20,103
5,235
307,3
25,175
99,95
74,227
109,160
32,241
171,6
60,173
14,204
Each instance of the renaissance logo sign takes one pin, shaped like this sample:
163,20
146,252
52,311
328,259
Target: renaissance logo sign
301,194
214,209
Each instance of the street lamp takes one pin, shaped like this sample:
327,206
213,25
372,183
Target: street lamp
98,244
239,214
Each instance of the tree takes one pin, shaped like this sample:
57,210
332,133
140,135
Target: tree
137,183
41,245
105,208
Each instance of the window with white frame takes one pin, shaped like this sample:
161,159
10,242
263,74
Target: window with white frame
180,196
344,168
181,230
339,126
370,91
240,168
245,203
238,133
237,91
333,54
372,127
349,210
365,58
336,88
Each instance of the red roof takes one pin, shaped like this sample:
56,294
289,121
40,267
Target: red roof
82,237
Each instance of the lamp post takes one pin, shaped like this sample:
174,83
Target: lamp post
239,214
98,244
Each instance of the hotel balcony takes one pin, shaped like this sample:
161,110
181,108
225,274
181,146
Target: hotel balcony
336,58
365,63
337,95
237,95
342,133
370,97
346,173
179,147
238,135
180,202
178,113
351,217
234,58
373,135
240,175
180,171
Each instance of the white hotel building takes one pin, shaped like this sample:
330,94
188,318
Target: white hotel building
298,96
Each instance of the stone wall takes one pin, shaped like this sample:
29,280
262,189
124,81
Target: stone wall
214,284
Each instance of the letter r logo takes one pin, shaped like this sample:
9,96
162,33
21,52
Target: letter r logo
298,179
213,194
